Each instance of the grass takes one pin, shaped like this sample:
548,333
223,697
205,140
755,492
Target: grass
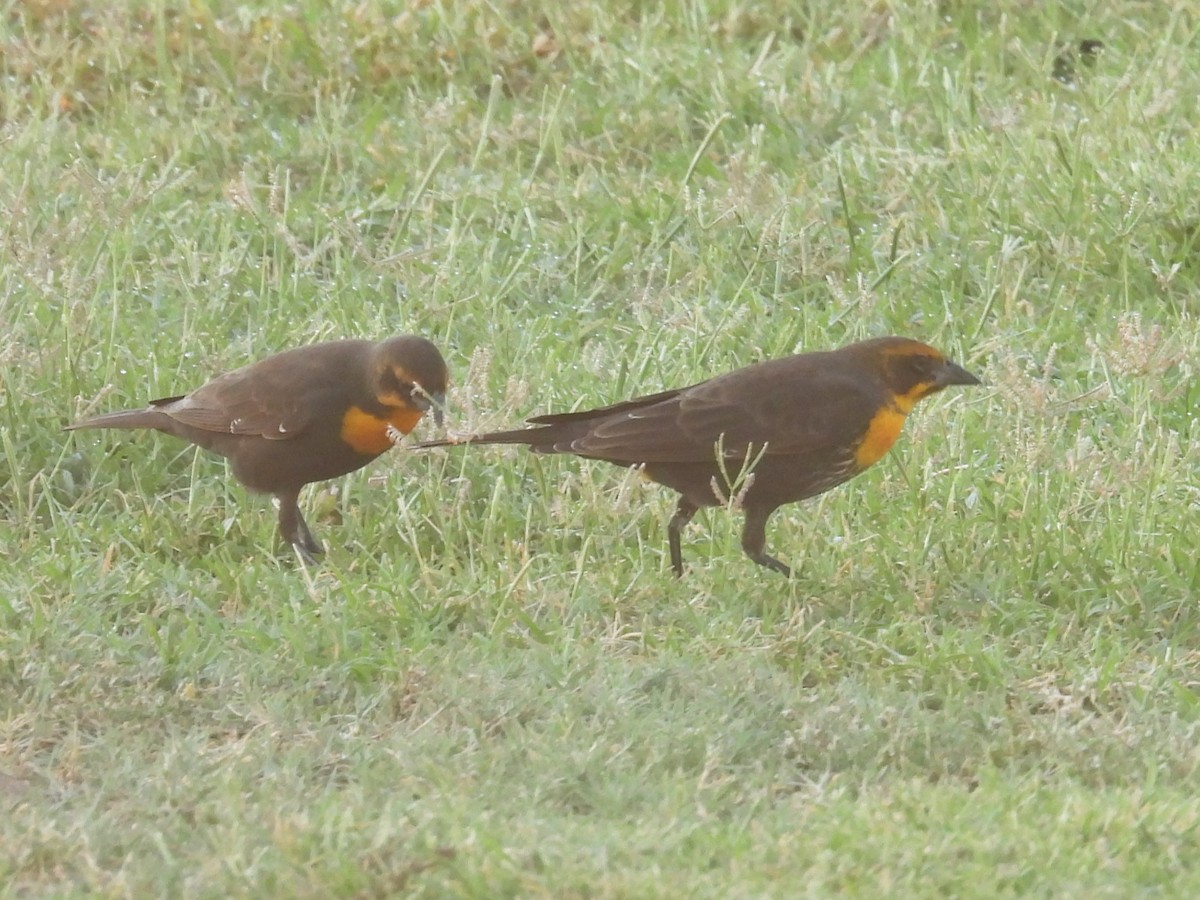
983,680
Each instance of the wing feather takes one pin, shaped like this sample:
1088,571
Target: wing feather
242,402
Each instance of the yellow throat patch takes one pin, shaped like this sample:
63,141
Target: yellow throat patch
882,432
368,434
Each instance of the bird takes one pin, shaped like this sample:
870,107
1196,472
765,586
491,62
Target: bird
771,433
307,414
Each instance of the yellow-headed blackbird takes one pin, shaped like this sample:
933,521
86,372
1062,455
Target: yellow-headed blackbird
793,427
304,415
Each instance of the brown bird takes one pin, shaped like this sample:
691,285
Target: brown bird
304,415
769,434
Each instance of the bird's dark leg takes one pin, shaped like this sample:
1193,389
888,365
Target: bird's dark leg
294,529
684,511
754,539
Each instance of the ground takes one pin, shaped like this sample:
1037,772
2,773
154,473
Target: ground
984,679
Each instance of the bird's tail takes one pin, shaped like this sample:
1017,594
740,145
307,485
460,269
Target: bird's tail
125,418
540,439
557,432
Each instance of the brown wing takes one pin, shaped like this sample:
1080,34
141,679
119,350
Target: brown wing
254,400
795,406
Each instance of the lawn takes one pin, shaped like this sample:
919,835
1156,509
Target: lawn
984,678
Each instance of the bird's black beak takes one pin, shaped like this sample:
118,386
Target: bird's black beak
427,401
953,373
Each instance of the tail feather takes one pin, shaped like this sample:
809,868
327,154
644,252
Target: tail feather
125,418
542,439
555,433
605,412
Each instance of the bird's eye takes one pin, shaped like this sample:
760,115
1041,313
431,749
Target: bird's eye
393,382
922,366
410,390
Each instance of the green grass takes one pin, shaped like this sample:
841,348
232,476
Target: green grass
983,680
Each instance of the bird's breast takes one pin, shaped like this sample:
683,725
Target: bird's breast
368,433
882,432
